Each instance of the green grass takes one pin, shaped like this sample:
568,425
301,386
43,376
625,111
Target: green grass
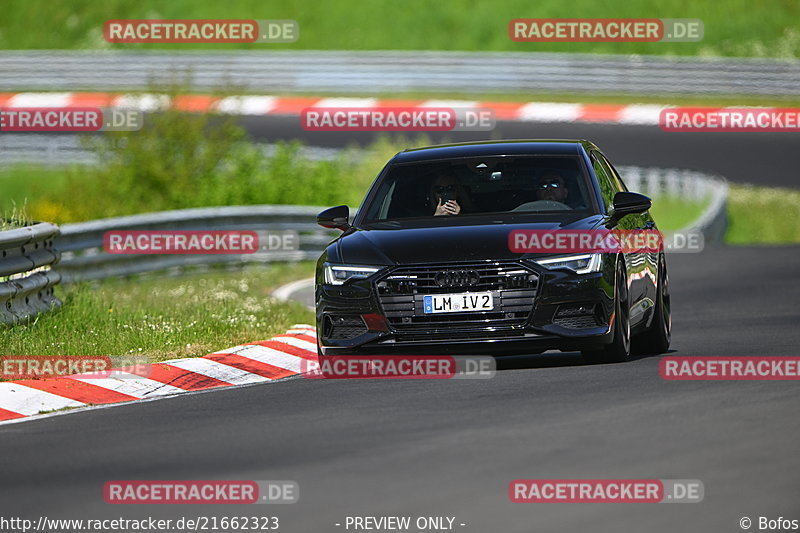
763,215
164,318
672,213
23,182
732,27
20,182
13,216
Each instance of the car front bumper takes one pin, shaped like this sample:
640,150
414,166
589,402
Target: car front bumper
557,310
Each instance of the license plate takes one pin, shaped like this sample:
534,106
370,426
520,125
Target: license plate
458,303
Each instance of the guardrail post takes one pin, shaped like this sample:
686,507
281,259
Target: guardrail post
27,255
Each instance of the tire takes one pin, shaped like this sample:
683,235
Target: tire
320,358
656,339
619,350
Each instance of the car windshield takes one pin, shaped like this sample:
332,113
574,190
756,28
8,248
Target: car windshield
480,186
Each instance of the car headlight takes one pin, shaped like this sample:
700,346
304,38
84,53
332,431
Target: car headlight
580,264
338,274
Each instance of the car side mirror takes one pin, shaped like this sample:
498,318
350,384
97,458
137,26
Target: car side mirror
630,203
335,218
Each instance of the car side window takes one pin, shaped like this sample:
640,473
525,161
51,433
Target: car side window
607,188
613,174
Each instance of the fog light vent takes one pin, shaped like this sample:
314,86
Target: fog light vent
576,317
344,327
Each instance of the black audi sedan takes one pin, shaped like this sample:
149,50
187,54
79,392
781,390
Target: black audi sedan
426,266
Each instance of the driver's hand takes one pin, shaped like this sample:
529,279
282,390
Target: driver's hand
451,207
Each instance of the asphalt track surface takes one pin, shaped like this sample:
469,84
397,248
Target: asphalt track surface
450,448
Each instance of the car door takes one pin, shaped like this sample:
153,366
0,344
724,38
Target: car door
645,221
636,262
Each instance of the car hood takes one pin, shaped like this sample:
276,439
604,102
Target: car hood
438,244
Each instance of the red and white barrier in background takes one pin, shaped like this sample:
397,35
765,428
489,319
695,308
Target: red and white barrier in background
287,105
280,357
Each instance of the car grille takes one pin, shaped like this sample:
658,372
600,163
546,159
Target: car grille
513,287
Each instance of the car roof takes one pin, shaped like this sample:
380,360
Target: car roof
494,148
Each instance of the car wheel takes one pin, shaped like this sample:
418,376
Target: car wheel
619,349
657,337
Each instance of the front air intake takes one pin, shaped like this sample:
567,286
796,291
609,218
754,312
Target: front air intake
338,327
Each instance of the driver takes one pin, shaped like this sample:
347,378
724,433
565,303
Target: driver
551,186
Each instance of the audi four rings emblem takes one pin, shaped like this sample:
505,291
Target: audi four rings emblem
457,278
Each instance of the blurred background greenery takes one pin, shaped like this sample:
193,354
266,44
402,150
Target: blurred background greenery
764,28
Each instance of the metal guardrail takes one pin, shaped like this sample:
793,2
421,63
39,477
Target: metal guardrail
393,71
83,257
26,279
44,149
